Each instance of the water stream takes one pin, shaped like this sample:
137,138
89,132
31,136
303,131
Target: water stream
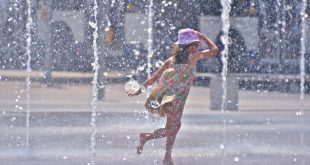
95,89
150,38
301,112
302,55
225,40
28,82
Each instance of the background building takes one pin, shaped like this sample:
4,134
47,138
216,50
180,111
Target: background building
264,33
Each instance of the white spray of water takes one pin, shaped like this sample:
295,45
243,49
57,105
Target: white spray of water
28,82
278,31
302,67
132,86
150,38
95,66
225,40
302,54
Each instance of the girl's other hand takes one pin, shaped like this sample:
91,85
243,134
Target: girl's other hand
134,93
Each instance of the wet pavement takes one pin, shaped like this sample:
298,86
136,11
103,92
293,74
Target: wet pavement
268,128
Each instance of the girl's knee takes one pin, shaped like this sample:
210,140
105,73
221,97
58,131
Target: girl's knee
174,128
177,124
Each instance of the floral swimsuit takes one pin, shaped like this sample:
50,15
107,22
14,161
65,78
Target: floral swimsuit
173,87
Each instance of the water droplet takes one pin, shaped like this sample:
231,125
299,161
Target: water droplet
299,113
268,121
230,121
222,146
13,119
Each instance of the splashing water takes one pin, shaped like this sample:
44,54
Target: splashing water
28,82
225,40
150,38
95,89
132,85
300,114
302,55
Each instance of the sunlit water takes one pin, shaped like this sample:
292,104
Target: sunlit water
302,68
302,55
28,82
95,66
150,38
225,40
201,130
132,85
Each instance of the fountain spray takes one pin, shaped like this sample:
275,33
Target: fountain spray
150,38
225,40
28,82
302,53
95,89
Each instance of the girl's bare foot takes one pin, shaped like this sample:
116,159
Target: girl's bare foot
141,144
168,160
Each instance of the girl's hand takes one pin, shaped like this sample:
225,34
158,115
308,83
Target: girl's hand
200,35
134,93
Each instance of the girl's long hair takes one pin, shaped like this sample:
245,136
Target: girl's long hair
181,53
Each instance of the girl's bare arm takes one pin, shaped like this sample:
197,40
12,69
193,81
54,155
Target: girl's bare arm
157,74
213,49
154,77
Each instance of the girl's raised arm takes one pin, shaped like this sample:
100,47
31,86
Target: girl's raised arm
213,49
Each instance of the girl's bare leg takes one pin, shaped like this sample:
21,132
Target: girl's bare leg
170,131
144,137
173,126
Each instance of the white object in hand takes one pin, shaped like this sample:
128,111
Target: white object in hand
132,86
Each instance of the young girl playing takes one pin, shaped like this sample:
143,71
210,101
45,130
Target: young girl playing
175,78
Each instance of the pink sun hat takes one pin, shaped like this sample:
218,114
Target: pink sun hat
187,36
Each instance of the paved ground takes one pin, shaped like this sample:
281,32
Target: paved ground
77,98
266,130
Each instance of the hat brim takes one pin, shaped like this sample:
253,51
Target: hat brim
178,43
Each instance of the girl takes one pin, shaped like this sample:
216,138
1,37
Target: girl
175,78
